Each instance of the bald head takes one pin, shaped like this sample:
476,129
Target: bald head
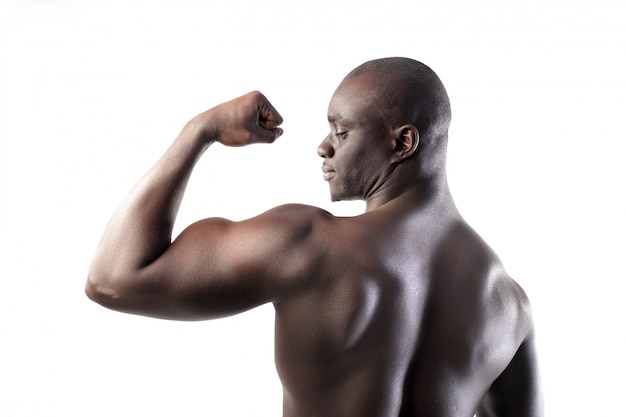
407,91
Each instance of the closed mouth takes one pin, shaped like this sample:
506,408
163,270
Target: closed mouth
328,172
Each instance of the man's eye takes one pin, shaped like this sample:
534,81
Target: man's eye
341,135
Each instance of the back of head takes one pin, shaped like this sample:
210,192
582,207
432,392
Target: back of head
409,92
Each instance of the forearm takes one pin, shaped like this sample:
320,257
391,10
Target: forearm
141,228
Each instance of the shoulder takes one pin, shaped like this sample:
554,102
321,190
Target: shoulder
508,307
297,212
515,302
289,221
277,230
467,261
288,241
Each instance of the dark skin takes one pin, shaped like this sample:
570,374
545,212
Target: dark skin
401,311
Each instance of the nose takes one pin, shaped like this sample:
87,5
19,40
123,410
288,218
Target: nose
325,150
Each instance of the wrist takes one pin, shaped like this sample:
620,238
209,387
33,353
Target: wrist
203,129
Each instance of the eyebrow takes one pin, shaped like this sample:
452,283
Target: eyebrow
336,118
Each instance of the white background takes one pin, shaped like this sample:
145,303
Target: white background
91,93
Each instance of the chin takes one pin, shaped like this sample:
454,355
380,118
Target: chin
343,194
334,197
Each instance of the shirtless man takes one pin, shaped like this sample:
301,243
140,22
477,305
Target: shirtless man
401,311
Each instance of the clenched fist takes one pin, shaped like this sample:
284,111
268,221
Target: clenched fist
248,119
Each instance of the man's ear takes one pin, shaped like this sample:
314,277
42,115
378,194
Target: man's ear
407,139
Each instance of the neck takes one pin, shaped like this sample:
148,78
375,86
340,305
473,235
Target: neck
420,191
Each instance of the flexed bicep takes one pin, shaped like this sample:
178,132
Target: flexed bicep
200,276
217,268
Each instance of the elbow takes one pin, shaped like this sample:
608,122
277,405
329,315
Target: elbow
102,290
93,290
117,290
98,292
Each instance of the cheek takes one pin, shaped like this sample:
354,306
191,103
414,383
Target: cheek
363,169
371,163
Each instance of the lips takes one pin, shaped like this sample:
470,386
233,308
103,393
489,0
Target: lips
328,172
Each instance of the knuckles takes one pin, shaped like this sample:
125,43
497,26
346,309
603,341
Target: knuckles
249,119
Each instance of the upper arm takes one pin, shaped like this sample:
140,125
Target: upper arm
516,391
218,267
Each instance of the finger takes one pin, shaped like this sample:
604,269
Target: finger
268,135
269,117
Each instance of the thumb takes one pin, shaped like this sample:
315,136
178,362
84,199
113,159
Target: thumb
264,135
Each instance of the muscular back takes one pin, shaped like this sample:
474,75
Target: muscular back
402,311
400,315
